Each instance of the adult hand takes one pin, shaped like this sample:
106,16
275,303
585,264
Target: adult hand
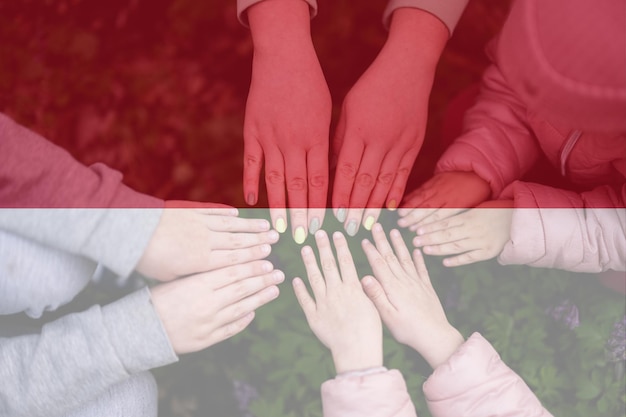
475,235
383,120
202,310
203,238
442,196
341,316
287,118
406,299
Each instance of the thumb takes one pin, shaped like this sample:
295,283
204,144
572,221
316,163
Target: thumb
376,293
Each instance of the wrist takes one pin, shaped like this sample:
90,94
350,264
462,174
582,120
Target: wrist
280,25
440,346
357,359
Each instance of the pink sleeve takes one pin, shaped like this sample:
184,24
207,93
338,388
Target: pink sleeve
554,228
243,5
497,143
475,382
448,11
381,394
35,173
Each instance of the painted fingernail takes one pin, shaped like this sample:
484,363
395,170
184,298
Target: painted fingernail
392,205
369,222
300,235
278,276
314,225
352,227
251,199
341,214
281,226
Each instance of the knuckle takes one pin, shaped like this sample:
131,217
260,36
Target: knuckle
456,246
390,258
386,178
275,177
328,265
403,172
317,181
365,180
236,241
252,160
233,259
344,260
379,261
296,184
347,170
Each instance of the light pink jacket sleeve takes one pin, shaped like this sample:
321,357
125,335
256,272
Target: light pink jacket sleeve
588,237
382,394
448,11
475,382
243,5
497,144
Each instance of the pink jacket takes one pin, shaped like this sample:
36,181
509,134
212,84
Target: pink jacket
556,87
474,382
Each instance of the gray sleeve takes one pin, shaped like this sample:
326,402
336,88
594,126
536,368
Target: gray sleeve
115,237
78,357
448,11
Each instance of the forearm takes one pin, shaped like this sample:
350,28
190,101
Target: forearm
79,356
440,345
280,27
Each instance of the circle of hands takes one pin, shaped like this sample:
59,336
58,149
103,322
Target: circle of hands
214,276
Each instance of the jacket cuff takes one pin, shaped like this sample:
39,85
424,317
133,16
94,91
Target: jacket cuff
137,334
449,11
243,5
121,237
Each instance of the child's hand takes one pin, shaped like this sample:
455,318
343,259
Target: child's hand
406,299
442,196
341,316
477,235
193,240
204,309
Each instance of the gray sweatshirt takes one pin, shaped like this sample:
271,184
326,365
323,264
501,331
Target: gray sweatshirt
58,219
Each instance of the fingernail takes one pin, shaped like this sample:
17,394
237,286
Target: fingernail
392,205
341,214
417,242
314,226
369,222
352,228
264,225
267,266
300,235
281,226
266,249
273,235
273,292
251,199
278,277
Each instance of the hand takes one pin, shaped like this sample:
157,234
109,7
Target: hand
193,240
383,120
442,196
287,118
204,309
477,235
406,299
341,316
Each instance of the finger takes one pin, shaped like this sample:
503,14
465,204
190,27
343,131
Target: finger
396,192
327,259
375,292
233,328
220,278
252,163
304,298
317,167
297,188
363,185
402,252
223,258
347,168
382,244
244,288
226,240
420,266
379,194
414,216
275,182
440,237
379,266
220,223
465,258
318,285
447,223
203,208
452,248
344,257
245,306
338,141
